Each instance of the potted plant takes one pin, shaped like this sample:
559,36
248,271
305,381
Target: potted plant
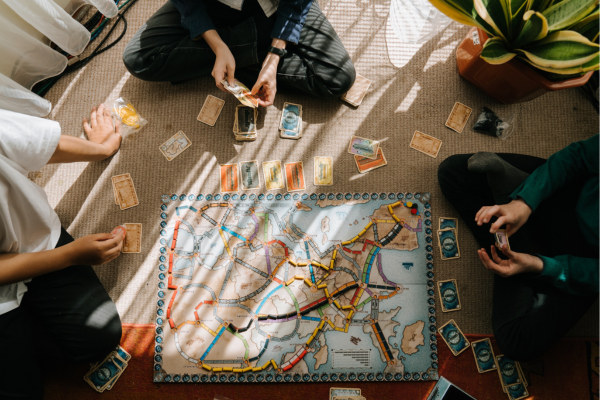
521,49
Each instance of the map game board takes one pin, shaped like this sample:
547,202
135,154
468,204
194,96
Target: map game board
295,288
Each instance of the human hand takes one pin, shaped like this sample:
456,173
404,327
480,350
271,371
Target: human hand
100,130
266,84
513,214
517,263
224,66
96,249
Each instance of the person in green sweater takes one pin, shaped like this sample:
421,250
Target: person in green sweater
548,278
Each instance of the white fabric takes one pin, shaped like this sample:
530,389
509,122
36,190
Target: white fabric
28,59
108,8
268,6
14,97
54,23
27,221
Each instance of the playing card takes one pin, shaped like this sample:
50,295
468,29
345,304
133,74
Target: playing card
118,178
249,175
365,164
448,223
99,376
291,117
448,291
517,392
122,364
133,241
290,134
175,145
245,120
363,147
348,398
273,175
508,371
241,92
229,178
454,338
484,355
426,144
501,239
122,353
448,244
323,171
126,194
458,117
357,92
211,110
294,174
336,392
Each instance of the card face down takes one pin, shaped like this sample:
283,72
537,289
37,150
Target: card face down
448,292
448,244
426,144
211,110
484,355
458,117
454,338
357,92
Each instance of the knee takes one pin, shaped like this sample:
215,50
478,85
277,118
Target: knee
515,343
137,61
100,334
343,81
449,168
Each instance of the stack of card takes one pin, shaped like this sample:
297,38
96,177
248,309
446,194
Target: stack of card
175,145
241,92
448,238
124,191
244,126
368,154
103,376
345,394
211,110
357,92
512,378
290,125
501,239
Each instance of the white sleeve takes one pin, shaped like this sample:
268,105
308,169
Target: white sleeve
27,141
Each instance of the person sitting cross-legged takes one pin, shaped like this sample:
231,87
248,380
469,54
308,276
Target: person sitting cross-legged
547,277
262,42
47,284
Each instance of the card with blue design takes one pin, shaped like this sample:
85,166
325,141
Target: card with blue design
448,291
517,392
448,243
454,338
484,355
509,372
291,118
102,376
448,223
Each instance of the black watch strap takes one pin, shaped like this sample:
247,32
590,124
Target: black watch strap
278,51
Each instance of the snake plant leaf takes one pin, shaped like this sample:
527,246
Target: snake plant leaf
540,5
518,8
535,28
588,26
494,52
591,65
463,11
560,50
568,12
494,12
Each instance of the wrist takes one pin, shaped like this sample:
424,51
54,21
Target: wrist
68,254
537,265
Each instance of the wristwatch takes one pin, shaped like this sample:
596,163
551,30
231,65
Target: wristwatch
278,51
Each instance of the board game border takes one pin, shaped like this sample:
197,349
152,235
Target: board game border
431,374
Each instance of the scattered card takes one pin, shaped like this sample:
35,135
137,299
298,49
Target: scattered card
501,239
103,373
336,392
454,338
175,145
294,173
291,118
517,392
323,171
118,178
448,223
211,110
448,244
508,371
273,175
229,178
426,144
363,147
365,164
484,355
241,92
458,117
249,174
125,193
448,291
357,92
133,241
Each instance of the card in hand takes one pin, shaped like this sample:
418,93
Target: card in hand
426,144
273,175
501,239
454,338
229,178
448,244
484,355
241,92
365,164
323,171
294,174
175,145
133,241
448,291
211,110
357,92
458,117
363,147
249,175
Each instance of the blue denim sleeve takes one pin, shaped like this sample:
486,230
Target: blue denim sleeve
291,15
194,17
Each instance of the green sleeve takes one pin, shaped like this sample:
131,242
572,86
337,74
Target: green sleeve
574,275
575,159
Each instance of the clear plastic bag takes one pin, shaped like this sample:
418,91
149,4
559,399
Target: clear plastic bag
489,123
127,115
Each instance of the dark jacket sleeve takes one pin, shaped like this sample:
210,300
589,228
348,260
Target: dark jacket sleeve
291,15
194,17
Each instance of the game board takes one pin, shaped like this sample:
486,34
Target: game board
295,288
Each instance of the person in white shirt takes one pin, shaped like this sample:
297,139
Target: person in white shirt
47,283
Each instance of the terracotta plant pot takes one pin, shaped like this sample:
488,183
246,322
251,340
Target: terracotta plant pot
508,83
